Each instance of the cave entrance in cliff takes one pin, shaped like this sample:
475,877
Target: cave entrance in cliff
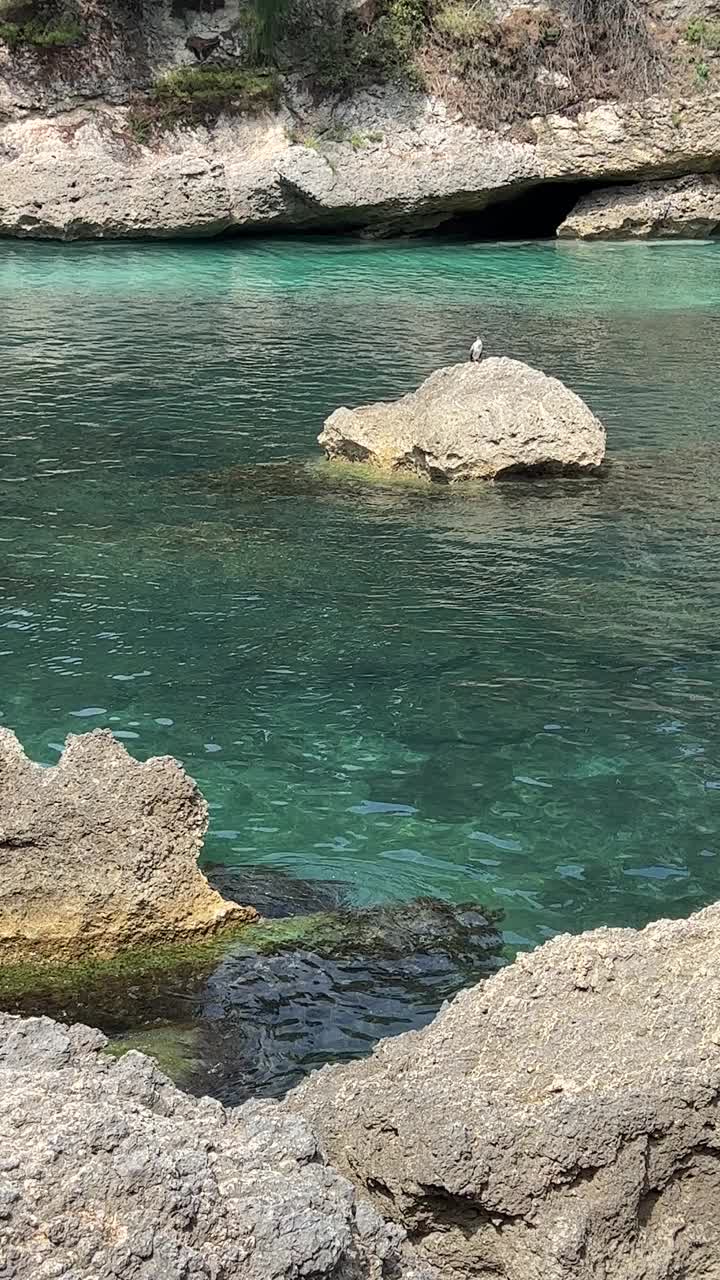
532,214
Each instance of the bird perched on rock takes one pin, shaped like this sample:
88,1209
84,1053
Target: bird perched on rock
476,351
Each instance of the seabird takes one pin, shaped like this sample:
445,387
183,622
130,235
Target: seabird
476,351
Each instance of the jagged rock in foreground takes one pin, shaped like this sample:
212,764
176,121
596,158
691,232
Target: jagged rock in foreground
472,422
108,1170
688,207
558,1122
100,852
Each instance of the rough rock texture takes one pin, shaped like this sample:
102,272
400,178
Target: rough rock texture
79,173
100,852
559,1122
106,1170
471,422
688,207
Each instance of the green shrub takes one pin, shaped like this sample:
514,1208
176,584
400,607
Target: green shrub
140,124
201,93
704,32
193,92
702,72
338,54
463,22
63,32
11,34
264,24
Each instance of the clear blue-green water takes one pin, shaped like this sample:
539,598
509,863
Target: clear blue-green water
508,697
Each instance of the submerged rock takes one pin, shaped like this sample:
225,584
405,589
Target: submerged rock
274,892
557,1121
108,1170
687,207
472,422
315,989
100,853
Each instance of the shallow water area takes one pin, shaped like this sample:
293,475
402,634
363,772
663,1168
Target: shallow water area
506,696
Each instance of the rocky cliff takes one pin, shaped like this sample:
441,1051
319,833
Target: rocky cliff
559,1122
149,120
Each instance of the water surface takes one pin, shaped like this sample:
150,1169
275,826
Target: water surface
507,697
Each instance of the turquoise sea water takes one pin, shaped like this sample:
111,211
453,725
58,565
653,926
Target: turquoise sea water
508,697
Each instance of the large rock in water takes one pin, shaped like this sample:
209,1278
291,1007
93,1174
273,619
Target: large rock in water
559,1122
100,852
107,1171
687,207
472,422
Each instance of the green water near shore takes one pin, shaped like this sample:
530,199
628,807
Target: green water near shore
508,696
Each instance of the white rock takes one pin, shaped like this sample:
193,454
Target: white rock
688,207
470,422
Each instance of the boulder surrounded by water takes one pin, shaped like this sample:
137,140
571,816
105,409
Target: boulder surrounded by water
472,422
100,852
559,1120
108,1170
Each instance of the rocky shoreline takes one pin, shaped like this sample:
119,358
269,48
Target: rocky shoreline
79,174
90,148
558,1120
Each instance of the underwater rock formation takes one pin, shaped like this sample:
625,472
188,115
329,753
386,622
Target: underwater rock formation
329,990
472,422
100,852
108,1170
275,893
559,1120
687,207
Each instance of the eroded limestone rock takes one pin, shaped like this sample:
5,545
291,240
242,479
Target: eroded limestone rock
107,1170
100,852
471,422
76,171
558,1122
687,207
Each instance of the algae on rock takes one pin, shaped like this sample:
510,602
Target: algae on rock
99,853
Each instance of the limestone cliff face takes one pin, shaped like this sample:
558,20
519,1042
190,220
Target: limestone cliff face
72,165
79,174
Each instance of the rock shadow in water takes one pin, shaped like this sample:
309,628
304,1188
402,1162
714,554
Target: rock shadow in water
276,893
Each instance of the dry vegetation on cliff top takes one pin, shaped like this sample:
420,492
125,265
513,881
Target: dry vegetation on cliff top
496,70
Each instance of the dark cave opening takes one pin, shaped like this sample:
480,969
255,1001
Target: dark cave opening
534,213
